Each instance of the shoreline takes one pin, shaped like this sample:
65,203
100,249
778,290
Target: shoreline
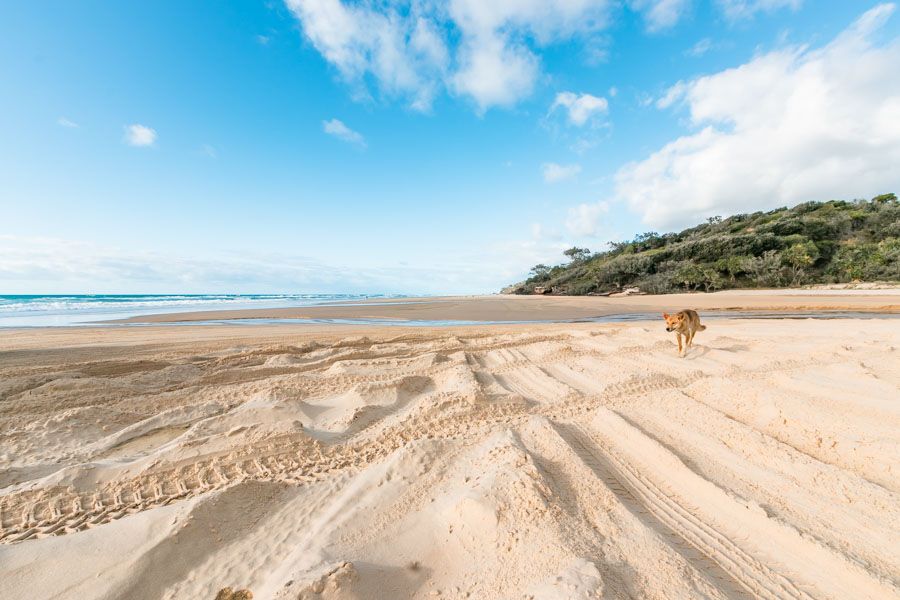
511,308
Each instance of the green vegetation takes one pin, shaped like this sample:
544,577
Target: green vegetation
814,242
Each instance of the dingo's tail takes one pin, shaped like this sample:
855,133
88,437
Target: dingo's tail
701,328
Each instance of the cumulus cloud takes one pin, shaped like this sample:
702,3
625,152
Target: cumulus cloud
494,73
496,65
584,219
484,51
140,135
661,14
580,108
791,125
745,9
64,122
553,172
402,49
342,132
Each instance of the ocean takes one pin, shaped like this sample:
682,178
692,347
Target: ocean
83,309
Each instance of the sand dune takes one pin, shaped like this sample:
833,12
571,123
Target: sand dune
539,461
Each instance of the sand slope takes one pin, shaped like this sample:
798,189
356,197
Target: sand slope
580,461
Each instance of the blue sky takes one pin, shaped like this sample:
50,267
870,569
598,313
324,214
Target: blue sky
416,147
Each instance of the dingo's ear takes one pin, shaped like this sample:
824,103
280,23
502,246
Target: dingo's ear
665,315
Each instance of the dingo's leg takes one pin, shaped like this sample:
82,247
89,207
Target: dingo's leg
678,335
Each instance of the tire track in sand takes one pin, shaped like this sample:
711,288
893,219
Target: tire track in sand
767,558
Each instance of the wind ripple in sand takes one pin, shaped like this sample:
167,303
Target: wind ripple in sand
574,462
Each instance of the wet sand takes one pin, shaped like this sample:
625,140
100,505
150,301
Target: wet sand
557,308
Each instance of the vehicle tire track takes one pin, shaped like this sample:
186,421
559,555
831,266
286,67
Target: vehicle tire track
767,558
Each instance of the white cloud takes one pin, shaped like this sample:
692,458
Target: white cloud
672,95
494,73
554,173
401,49
578,119
263,40
209,151
480,50
485,51
700,48
584,219
140,135
496,65
792,125
581,108
745,9
660,14
64,122
342,132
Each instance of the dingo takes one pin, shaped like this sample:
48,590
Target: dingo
684,323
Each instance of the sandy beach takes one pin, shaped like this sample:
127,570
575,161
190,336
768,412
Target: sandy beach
370,300
557,308
505,461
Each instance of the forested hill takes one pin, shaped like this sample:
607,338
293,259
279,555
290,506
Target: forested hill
814,242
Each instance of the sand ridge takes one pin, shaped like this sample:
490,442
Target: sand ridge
553,461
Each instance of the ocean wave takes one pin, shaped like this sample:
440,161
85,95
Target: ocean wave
18,304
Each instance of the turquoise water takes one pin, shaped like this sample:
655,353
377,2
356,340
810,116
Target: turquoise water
80,309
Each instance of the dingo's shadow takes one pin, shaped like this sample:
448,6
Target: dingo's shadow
698,351
695,352
733,348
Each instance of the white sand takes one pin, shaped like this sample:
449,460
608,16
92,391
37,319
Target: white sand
541,461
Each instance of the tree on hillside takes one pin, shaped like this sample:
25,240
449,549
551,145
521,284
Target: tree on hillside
765,269
540,271
576,254
734,265
798,257
711,280
648,240
689,275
